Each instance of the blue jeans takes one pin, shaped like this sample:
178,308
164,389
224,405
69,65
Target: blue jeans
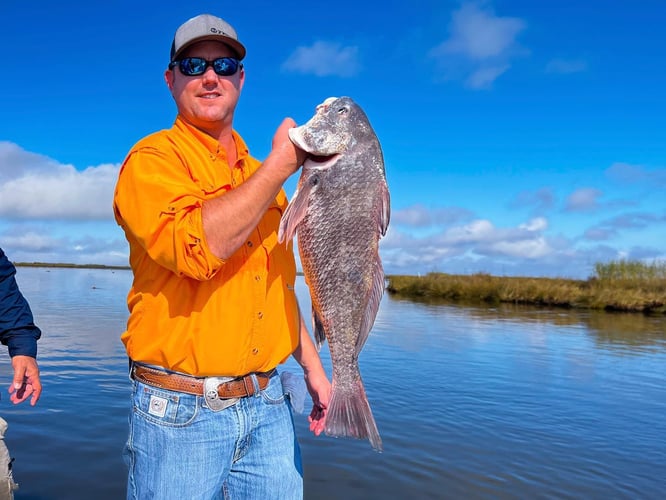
178,448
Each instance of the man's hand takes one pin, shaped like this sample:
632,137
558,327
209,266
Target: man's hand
26,383
286,150
320,391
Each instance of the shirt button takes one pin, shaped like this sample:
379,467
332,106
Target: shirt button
260,315
255,351
257,278
249,243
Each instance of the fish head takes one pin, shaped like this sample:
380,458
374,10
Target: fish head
335,127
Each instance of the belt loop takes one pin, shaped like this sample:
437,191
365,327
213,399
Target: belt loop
130,367
253,387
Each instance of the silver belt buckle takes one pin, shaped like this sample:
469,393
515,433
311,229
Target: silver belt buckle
213,400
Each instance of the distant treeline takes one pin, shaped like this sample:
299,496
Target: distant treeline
73,266
616,286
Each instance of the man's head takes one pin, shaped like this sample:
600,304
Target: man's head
205,27
205,75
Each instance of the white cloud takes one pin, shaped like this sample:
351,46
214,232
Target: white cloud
630,221
583,200
480,246
50,212
483,78
37,187
480,35
31,240
536,224
566,66
324,59
480,45
627,173
539,201
525,249
420,216
475,231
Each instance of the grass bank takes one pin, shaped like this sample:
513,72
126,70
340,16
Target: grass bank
616,286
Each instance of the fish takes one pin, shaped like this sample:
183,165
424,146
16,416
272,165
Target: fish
339,212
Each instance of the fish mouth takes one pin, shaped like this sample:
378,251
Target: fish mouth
316,157
320,162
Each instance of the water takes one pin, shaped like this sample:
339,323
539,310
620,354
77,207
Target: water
502,402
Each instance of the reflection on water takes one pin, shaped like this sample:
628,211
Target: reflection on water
612,328
471,402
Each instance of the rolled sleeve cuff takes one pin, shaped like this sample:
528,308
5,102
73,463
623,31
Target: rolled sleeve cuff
22,341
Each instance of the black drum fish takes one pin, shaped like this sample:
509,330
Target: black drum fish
340,210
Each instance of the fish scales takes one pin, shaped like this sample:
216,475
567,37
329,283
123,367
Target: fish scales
339,211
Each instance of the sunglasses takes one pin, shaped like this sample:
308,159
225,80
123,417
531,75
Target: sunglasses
195,66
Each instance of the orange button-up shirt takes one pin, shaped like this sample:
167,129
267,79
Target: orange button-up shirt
189,310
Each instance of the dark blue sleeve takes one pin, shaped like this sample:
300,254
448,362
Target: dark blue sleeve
17,328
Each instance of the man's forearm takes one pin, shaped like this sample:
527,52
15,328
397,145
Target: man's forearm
230,218
306,354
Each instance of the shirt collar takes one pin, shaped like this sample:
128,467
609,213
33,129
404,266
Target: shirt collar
208,142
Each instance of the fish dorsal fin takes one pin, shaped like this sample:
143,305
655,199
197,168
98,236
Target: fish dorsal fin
374,298
385,210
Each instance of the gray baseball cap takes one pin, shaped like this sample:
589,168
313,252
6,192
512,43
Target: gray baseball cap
205,27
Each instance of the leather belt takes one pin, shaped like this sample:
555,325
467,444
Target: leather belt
235,388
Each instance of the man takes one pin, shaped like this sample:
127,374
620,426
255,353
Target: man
19,333
213,309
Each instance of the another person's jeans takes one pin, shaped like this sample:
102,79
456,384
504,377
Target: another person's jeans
180,449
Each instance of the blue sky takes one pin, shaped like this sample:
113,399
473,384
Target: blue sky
521,137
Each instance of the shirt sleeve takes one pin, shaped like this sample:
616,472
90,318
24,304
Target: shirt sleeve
17,328
158,204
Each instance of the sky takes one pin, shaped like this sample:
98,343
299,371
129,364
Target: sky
520,137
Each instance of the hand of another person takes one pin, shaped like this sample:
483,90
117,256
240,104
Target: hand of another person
26,383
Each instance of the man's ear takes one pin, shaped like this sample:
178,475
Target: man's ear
168,78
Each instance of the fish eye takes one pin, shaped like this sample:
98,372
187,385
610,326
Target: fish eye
342,111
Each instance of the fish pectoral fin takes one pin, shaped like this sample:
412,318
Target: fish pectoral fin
294,212
374,298
318,329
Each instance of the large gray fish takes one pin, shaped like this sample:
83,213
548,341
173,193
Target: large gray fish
340,210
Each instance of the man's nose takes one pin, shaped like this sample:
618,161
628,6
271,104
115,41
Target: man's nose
210,75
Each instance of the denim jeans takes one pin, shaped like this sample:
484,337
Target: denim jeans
178,448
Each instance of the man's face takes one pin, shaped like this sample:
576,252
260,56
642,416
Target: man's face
206,101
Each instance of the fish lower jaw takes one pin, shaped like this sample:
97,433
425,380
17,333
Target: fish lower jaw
321,162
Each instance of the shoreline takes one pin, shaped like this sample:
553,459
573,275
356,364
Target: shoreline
69,266
646,296
603,294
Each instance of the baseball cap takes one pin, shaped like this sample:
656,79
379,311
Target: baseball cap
205,27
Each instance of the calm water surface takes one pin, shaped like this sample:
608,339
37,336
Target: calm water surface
470,402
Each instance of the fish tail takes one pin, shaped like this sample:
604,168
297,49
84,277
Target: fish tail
349,415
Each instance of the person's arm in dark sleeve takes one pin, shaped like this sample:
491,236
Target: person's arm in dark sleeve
17,328
19,333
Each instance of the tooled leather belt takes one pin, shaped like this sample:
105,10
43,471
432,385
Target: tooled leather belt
236,388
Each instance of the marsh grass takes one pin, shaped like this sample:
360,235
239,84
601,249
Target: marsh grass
616,286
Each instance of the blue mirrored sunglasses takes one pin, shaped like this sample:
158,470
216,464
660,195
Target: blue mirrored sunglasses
195,66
